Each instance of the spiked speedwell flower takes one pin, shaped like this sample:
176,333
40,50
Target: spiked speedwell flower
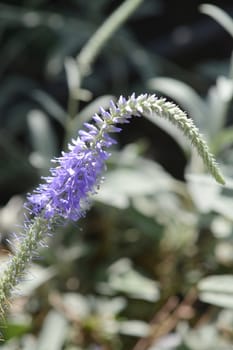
65,194
67,191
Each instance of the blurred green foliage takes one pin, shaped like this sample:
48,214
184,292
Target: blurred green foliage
150,267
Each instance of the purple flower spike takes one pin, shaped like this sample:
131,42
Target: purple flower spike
66,193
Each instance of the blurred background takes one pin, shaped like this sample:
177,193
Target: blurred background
150,267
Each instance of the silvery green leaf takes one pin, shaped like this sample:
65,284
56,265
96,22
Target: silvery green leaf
219,15
35,277
223,206
204,191
52,107
171,341
205,337
217,290
134,328
72,73
53,333
141,177
125,279
43,139
218,100
76,304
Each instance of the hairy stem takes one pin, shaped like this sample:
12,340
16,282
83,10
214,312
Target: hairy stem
18,263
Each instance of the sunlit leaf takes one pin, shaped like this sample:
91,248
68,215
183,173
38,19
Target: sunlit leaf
134,328
51,106
218,100
43,139
123,278
203,190
219,15
136,177
35,278
53,333
217,290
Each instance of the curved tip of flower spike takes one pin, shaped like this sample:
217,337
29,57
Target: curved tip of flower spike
220,179
216,172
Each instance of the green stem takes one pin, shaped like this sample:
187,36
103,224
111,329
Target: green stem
93,47
18,263
103,34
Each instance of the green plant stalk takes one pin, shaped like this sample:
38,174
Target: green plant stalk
18,263
93,47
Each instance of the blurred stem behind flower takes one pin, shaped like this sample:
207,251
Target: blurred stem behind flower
66,194
93,46
81,66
